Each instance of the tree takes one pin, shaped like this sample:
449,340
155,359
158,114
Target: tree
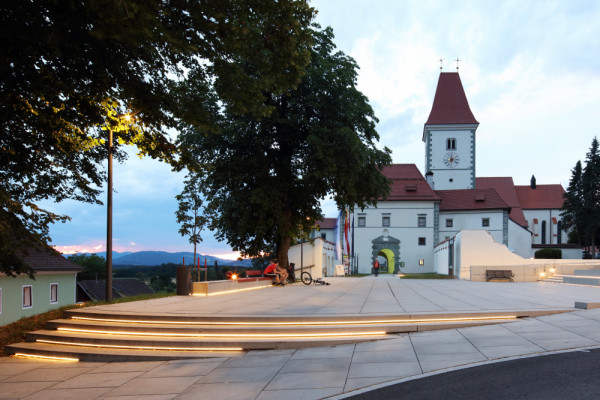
70,69
573,218
189,214
94,266
263,176
590,183
581,209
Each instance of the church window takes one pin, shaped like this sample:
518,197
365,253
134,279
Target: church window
451,144
543,232
422,241
559,233
385,220
485,222
422,221
449,223
362,221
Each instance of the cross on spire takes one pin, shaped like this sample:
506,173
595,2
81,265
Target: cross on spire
441,62
457,61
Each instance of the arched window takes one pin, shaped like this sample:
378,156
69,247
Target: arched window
543,232
451,144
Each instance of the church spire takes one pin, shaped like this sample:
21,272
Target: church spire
450,105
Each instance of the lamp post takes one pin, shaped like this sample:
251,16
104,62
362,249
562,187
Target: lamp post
109,205
109,221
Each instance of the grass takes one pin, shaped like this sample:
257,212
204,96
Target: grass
17,331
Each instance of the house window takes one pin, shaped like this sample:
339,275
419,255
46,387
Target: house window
559,233
27,297
53,293
422,221
449,223
451,144
385,220
421,262
485,222
362,221
422,241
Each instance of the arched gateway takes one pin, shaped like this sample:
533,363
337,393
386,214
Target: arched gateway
388,247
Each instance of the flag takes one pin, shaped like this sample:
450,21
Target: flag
347,230
338,238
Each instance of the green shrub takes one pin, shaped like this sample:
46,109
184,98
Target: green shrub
549,254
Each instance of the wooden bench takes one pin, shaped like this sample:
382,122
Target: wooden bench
255,276
499,274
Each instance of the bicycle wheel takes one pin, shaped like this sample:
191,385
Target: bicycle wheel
306,278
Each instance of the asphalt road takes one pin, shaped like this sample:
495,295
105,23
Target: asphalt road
565,376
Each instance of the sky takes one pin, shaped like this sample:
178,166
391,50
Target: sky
530,70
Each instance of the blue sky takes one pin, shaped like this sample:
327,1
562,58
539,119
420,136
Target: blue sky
530,69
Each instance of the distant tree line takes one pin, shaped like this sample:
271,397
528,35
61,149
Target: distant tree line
581,210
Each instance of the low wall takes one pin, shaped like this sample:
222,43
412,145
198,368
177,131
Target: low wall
233,285
531,271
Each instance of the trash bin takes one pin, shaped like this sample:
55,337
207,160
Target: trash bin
184,281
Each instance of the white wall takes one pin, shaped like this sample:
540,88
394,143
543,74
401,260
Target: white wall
471,220
551,228
444,178
404,227
315,256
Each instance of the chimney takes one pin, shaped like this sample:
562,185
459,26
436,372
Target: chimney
533,185
429,179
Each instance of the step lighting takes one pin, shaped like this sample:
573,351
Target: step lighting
36,356
226,335
116,346
301,323
229,291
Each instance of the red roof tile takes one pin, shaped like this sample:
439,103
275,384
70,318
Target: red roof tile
450,105
542,197
471,199
408,184
506,189
327,223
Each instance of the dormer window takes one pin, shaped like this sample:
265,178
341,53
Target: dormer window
451,144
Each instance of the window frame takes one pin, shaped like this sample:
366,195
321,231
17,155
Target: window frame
362,221
55,299
422,220
485,222
422,241
450,143
384,218
24,297
449,222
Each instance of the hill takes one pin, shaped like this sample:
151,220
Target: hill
152,258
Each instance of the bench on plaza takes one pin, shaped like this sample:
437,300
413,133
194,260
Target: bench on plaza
255,276
499,274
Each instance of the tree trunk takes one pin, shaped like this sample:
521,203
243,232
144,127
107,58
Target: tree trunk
284,240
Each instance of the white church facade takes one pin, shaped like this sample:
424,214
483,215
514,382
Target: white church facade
423,211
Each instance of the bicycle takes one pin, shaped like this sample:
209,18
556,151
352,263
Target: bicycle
307,280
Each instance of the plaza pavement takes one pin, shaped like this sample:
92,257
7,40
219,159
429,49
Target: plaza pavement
327,372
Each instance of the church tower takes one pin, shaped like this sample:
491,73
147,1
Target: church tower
449,136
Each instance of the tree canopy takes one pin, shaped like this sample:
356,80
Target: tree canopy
581,209
71,69
263,176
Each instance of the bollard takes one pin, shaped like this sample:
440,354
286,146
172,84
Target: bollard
183,281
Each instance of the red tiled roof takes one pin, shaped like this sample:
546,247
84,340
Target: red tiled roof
408,184
327,223
542,197
471,199
506,189
450,105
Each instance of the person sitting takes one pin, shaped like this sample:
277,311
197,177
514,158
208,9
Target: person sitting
271,271
283,274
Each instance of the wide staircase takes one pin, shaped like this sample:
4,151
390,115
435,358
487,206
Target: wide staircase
87,335
587,277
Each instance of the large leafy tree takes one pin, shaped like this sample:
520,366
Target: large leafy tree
70,69
263,176
581,209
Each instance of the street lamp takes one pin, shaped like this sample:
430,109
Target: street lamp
126,117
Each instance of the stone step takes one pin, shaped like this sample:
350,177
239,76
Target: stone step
101,336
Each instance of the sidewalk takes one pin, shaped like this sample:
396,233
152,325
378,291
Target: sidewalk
315,373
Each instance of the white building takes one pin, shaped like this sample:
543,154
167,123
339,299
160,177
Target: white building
421,213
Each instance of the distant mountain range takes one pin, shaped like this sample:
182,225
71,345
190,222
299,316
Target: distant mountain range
152,258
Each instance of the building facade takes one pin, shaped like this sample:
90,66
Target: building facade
425,210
